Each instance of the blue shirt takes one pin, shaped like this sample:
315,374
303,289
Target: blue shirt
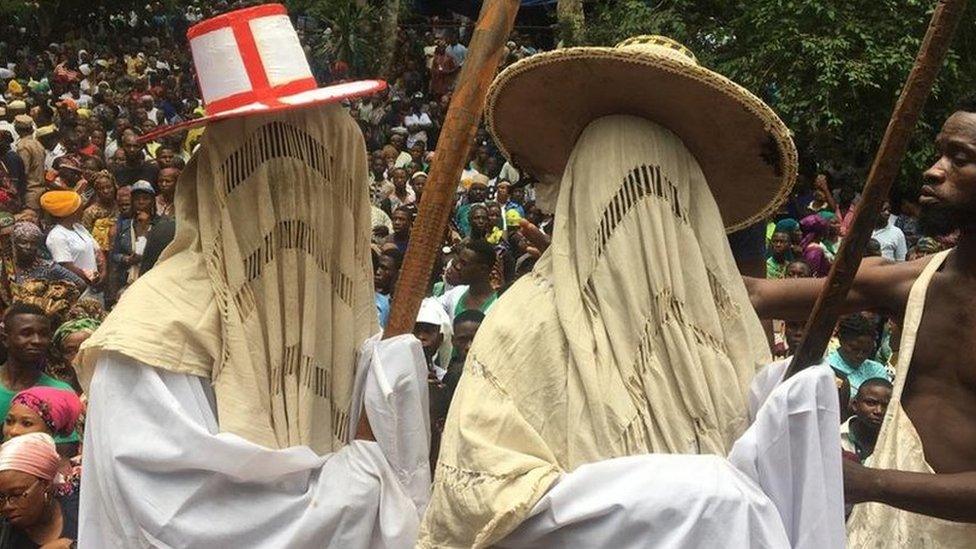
382,307
856,375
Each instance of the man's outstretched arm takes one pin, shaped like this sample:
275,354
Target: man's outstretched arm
877,286
944,496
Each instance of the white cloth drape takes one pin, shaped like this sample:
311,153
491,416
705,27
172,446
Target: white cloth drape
780,488
158,474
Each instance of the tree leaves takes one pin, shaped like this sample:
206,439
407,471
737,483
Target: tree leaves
832,70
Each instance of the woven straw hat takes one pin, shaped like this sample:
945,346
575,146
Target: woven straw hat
538,107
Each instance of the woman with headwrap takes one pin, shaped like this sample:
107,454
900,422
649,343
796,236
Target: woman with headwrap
29,265
814,252
64,346
100,217
831,242
55,412
37,280
36,516
791,227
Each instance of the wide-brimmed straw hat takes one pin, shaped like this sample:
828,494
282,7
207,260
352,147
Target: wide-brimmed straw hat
538,107
250,61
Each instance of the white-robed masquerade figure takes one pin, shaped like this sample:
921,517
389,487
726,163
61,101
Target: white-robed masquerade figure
633,338
225,387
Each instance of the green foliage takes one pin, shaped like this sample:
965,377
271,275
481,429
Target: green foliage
832,70
360,33
353,36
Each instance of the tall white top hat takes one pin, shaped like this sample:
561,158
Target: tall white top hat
250,61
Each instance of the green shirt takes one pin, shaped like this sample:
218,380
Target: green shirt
6,395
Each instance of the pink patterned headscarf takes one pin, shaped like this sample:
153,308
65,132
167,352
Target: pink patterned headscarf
59,408
33,453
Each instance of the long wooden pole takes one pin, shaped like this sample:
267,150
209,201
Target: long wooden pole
883,172
460,126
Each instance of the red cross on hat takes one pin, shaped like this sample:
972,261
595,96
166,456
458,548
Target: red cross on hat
250,61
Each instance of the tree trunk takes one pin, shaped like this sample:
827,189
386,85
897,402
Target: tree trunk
569,13
388,25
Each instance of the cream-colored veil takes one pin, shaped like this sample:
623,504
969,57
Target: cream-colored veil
266,289
633,334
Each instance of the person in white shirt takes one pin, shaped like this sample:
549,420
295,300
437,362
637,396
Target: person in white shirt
456,49
417,123
70,243
892,239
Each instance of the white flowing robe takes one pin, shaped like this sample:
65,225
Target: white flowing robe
157,473
780,487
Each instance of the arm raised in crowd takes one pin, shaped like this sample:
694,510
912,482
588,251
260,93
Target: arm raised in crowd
878,286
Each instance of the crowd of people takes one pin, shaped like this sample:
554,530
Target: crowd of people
87,207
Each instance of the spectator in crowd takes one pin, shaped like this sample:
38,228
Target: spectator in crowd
443,71
465,328
477,193
166,187
417,122
26,338
29,493
894,247
455,49
479,224
402,221
823,199
50,139
473,266
859,433
159,237
13,174
385,274
69,176
32,154
65,343
70,243
791,227
504,197
852,360
401,194
132,233
433,329
54,412
417,182
779,255
924,247
29,266
100,217
831,242
814,253
136,166
907,220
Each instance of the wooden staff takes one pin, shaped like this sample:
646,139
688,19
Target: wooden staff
934,48
427,234
460,126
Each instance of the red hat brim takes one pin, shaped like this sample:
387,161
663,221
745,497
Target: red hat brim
318,96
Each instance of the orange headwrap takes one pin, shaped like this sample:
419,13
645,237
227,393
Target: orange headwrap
60,203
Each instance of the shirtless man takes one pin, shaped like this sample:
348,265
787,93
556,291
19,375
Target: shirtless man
938,396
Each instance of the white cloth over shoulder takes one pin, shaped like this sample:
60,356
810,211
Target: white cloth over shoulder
780,488
792,450
158,473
